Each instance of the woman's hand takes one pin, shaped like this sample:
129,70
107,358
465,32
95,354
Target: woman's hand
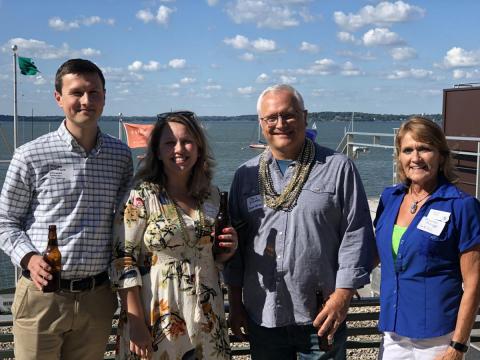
450,354
230,242
140,339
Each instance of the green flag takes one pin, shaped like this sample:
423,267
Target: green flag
27,67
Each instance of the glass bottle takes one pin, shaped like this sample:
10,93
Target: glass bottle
53,257
221,221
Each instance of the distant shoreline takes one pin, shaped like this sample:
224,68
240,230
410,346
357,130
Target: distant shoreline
312,117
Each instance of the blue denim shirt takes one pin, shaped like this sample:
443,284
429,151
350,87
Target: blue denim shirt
325,242
421,291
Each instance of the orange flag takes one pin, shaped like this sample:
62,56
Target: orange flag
137,134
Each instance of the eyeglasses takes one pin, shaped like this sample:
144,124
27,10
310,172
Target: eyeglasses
271,120
186,114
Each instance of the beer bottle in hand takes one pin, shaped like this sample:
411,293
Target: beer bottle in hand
53,257
221,221
324,343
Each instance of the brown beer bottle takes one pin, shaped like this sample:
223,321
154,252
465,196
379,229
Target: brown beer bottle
53,257
221,221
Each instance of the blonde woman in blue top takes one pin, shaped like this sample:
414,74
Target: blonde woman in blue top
428,240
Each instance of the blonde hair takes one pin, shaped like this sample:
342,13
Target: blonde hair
425,130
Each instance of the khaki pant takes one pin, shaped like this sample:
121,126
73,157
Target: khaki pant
61,325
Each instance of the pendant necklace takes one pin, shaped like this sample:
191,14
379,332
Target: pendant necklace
183,226
414,206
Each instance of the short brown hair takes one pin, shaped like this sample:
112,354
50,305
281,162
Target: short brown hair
151,168
425,130
76,66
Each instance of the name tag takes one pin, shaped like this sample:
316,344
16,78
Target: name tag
254,202
431,226
439,215
64,172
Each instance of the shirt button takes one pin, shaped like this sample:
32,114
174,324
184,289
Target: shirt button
279,257
280,233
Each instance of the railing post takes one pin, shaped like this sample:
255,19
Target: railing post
349,146
394,165
477,188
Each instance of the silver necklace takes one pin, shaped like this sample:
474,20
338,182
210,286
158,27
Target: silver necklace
287,200
414,205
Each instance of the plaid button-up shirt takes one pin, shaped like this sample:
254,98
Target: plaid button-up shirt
52,180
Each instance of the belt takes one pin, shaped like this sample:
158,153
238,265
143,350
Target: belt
78,285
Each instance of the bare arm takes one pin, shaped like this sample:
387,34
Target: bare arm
140,337
470,267
237,316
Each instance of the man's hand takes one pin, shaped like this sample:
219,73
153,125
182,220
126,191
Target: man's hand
333,313
39,269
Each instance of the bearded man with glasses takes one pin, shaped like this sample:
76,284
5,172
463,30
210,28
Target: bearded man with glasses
305,239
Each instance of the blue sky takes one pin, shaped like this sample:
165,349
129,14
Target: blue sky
215,56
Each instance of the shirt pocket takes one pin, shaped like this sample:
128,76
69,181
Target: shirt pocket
318,200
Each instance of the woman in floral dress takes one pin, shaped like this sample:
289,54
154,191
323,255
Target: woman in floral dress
163,265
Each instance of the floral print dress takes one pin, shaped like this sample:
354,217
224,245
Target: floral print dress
178,279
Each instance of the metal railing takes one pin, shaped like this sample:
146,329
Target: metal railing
350,146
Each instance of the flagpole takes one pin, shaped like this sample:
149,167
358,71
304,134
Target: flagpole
120,121
15,113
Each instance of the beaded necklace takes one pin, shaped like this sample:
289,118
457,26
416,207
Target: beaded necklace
288,198
183,226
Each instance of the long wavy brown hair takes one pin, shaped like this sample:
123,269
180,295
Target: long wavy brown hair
151,168
425,130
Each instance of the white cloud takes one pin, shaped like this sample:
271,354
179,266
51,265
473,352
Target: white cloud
307,47
140,66
163,14
241,42
458,57
214,87
348,69
462,74
381,36
40,80
247,90
403,53
411,73
247,57
262,78
162,17
367,56
238,42
145,15
319,67
345,37
187,80
212,2
177,63
264,45
90,52
383,14
284,79
152,66
269,13
41,50
59,24
135,66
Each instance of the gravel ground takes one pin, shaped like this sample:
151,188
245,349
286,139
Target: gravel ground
360,354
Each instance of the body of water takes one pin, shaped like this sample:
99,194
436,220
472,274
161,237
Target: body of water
229,141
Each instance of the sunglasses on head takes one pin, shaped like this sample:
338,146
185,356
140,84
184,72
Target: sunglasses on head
186,114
